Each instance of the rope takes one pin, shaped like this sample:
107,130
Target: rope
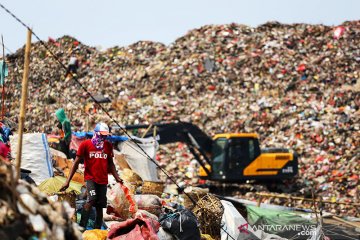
181,230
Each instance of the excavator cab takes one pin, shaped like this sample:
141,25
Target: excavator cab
231,153
237,156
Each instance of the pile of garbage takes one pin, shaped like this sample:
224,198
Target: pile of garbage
142,209
26,212
137,208
297,86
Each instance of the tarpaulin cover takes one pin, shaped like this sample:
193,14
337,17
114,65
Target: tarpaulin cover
111,138
138,161
287,220
273,216
286,224
79,137
52,185
35,156
331,229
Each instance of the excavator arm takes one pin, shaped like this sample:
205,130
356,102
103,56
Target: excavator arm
199,143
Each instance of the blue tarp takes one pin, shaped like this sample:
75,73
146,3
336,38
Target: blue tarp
111,138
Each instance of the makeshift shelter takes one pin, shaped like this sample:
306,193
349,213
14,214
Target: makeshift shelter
35,156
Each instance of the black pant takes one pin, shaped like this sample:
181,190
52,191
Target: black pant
65,148
96,197
96,193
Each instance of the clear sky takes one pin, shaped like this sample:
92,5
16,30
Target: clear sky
108,23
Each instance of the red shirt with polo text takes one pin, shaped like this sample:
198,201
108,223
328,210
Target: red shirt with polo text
95,161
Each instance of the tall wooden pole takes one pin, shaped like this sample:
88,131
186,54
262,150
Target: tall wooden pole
314,204
87,123
24,91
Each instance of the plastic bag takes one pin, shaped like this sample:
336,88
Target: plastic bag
183,225
145,214
95,234
121,201
206,237
150,203
137,228
163,235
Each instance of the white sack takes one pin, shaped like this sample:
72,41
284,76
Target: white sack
138,161
35,156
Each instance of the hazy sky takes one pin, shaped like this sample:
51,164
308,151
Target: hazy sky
108,23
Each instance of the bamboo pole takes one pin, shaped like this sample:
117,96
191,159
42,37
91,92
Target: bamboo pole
259,202
87,123
321,208
155,132
314,204
24,91
306,199
146,131
356,225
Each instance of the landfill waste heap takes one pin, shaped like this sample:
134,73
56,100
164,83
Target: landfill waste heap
297,86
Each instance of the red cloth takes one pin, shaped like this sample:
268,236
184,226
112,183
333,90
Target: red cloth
4,150
95,161
129,198
137,229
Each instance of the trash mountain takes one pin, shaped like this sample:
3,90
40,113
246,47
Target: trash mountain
295,85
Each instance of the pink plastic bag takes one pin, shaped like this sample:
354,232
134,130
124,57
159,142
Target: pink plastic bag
138,228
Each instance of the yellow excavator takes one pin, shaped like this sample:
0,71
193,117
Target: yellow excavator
227,157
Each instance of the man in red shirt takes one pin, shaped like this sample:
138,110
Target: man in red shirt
97,154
